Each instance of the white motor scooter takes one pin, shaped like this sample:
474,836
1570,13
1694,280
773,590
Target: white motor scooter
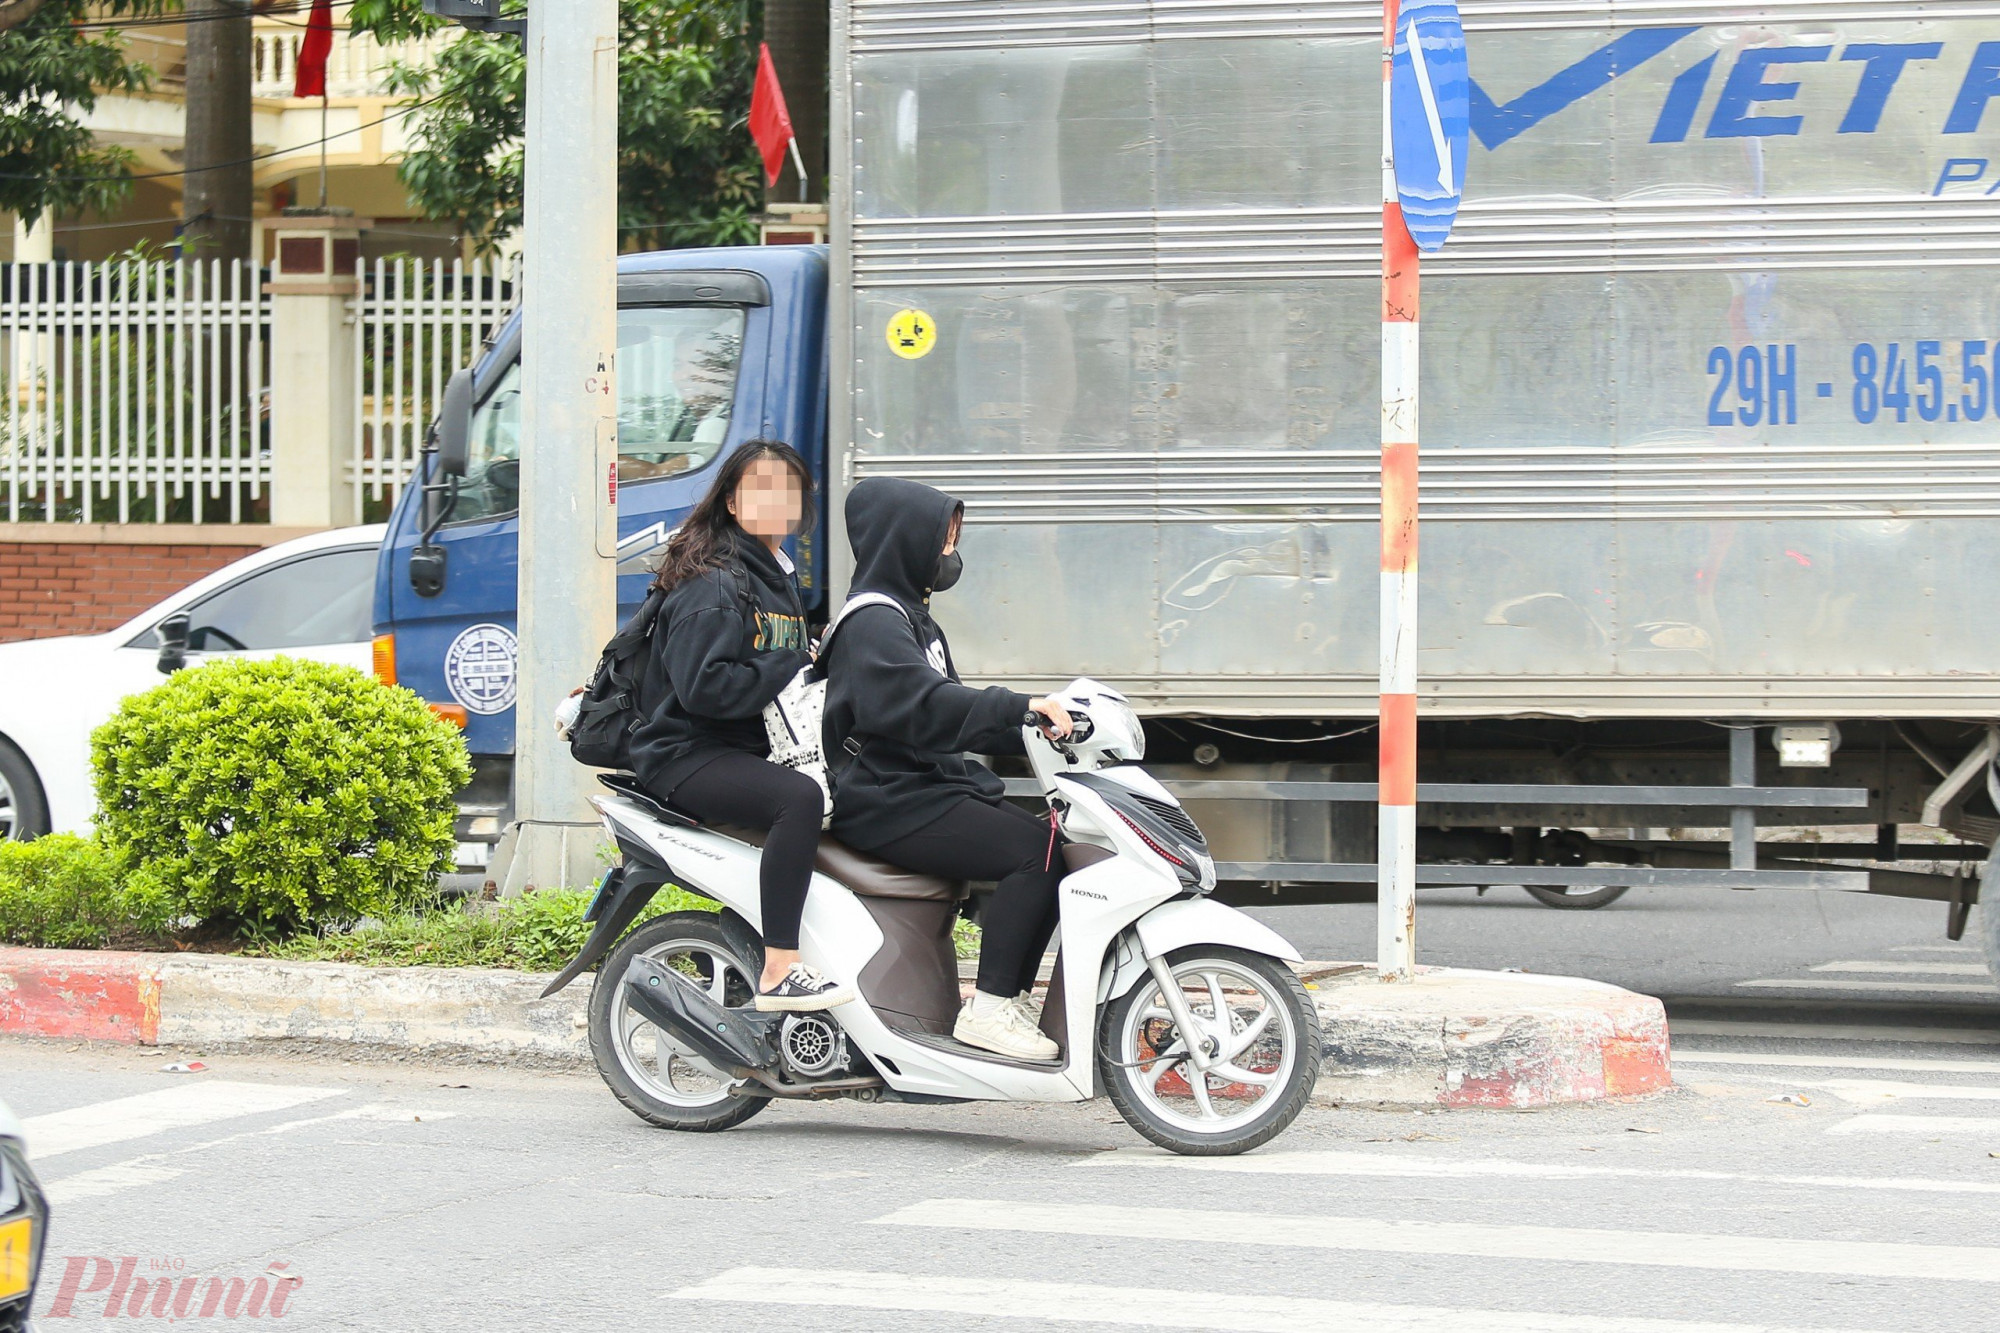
1184,1010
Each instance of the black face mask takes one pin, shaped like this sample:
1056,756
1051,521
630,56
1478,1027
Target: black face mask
949,567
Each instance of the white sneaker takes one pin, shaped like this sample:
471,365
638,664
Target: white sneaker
1000,1026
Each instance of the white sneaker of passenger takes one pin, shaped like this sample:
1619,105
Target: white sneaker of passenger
803,990
1001,1027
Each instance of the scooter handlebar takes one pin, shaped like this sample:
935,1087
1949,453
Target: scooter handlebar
1080,725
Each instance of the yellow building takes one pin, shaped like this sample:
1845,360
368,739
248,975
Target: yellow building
361,120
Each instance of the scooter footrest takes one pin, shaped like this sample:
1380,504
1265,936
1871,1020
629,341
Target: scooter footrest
953,1046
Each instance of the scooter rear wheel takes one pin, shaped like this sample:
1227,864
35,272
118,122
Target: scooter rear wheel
1261,1029
657,1079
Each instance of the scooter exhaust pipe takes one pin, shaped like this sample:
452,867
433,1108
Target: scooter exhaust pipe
687,1013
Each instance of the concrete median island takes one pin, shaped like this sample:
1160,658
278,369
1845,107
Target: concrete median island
1450,1038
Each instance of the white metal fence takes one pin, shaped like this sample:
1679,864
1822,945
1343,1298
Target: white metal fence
138,391
134,392
416,322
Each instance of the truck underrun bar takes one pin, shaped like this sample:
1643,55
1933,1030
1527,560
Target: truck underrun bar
1507,793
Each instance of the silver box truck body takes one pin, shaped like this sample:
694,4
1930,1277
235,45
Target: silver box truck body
1711,406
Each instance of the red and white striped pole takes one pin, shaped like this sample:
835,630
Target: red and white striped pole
1396,796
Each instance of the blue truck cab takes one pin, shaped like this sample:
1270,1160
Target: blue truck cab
715,347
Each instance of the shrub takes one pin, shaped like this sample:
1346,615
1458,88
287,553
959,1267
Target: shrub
538,932
60,892
268,795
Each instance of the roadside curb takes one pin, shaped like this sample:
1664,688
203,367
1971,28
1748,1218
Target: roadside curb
1450,1038
1461,1038
210,999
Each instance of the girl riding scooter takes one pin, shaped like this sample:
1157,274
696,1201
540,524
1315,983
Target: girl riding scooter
730,636
898,724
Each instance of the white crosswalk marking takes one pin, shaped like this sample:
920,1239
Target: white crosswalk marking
1665,1249
1827,983
1728,1027
1146,1307
1882,1090
151,1168
113,1179
1911,969
1776,1061
1334,1163
1935,1125
148,1113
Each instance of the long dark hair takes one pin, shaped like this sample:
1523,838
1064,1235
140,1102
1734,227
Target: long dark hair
702,540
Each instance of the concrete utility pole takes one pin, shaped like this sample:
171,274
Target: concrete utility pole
569,429
215,204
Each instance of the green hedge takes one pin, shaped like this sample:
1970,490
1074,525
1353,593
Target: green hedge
271,795
61,892
537,932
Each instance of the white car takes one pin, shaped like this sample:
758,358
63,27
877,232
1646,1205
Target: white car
313,597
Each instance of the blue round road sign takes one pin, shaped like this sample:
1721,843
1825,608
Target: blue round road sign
1429,113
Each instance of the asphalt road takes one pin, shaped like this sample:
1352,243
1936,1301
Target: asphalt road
1712,948
439,1198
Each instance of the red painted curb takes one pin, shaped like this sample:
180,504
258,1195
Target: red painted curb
1577,1061
80,995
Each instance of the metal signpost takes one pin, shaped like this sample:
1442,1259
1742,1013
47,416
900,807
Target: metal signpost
1425,116
569,427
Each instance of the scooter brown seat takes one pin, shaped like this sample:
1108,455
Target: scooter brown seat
872,877
868,876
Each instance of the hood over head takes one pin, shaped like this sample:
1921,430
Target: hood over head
896,529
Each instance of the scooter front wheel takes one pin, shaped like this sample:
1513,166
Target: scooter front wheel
1257,1027
653,1075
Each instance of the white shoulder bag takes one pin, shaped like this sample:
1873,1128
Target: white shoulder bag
792,720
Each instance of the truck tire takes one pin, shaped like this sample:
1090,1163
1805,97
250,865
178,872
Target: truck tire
1986,916
1576,897
24,810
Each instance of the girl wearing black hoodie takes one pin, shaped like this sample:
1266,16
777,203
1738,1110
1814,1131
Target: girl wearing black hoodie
731,635
899,722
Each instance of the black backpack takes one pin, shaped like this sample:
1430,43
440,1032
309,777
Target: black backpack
608,713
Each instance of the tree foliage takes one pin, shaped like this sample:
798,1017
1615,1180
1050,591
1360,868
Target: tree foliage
687,171
52,71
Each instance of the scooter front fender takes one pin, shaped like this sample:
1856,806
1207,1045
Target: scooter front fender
1189,921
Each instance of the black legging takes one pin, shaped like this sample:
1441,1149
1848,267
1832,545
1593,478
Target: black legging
973,840
740,788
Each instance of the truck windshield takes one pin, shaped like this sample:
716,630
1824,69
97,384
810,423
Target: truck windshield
676,383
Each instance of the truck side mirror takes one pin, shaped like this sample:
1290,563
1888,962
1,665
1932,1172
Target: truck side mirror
173,636
455,425
427,569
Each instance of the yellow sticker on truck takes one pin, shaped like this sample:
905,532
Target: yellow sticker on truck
912,334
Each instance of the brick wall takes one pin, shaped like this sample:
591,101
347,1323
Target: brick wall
85,581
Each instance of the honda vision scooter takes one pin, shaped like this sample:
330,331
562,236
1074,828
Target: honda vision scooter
1183,1010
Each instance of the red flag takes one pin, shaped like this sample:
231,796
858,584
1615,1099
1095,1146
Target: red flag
311,80
770,123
